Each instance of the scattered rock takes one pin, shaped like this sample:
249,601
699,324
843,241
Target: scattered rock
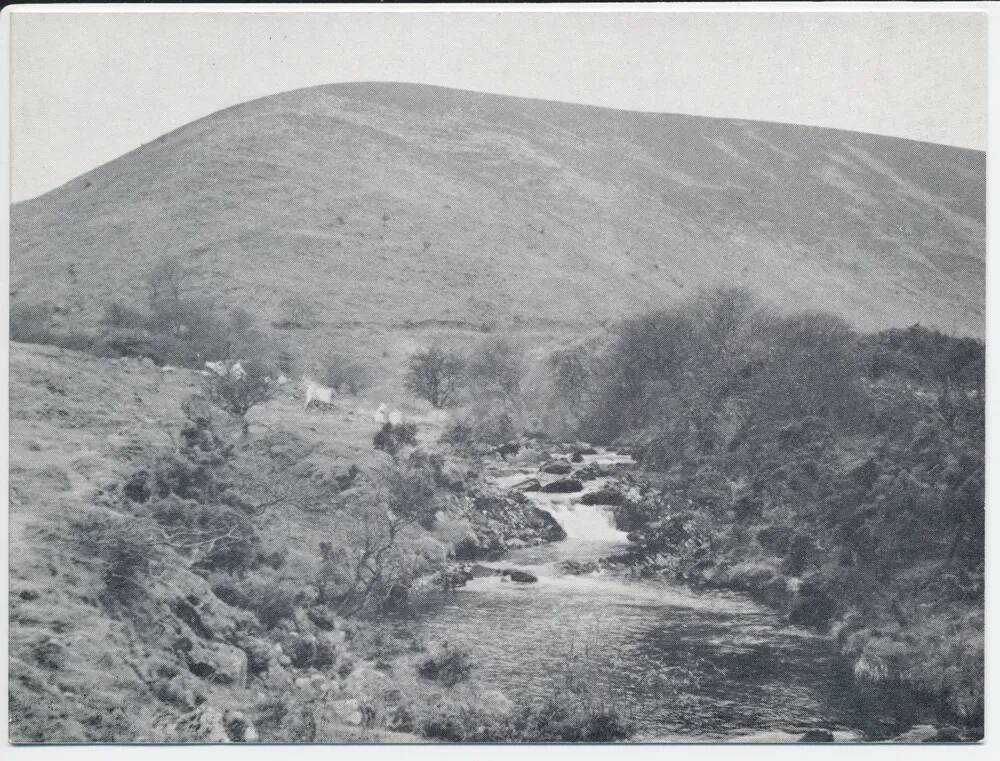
203,725
563,486
28,595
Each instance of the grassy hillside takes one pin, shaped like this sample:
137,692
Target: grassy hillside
388,203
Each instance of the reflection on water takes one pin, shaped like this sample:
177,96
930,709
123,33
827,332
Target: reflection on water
682,664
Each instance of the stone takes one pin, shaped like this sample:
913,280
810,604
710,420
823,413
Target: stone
563,486
203,725
603,497
348,711
218,662
530,484
521,577
239,728
557,468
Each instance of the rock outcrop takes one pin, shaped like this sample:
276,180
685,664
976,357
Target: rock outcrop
503,521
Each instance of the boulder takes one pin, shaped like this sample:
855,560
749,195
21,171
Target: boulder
577,457
239,728
348,711
557,468
521,577
580,567
478,571
217,662
530,484
563,486
603,497
591,471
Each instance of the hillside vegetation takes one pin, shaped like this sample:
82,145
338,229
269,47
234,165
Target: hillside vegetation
835,475
396,206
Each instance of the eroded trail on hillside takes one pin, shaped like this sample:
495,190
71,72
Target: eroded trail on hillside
680,664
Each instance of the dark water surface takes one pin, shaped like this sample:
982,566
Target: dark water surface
684,665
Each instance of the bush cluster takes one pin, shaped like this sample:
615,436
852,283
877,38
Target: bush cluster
796,454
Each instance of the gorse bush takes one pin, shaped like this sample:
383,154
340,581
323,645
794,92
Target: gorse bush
448,665
239,392
392,438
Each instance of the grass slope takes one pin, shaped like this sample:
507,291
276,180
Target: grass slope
385,203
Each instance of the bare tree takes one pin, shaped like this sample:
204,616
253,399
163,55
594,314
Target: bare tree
436,375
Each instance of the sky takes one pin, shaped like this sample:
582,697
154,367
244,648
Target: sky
88,87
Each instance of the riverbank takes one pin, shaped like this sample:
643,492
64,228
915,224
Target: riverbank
878,651
884,708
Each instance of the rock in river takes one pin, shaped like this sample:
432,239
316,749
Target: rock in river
563,486
557,468
603,497
521,577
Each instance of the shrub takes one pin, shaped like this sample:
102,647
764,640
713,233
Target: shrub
449,666
297,312
345,375
193,501
374,554
436,375
31,322
391,438
239,393
124,548
121,316
495,371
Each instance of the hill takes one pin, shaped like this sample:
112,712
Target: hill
386,203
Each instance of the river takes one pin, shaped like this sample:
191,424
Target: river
683,665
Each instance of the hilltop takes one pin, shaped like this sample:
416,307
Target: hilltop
387,204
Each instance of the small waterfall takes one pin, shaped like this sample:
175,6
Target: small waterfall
587,523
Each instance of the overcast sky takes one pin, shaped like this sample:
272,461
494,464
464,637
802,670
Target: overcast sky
86,87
